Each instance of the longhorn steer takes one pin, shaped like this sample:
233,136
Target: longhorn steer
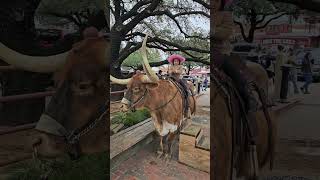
74,120
161,97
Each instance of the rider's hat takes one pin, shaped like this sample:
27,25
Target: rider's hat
176,57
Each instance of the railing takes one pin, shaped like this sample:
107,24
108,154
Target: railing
114,103
26,96
7,68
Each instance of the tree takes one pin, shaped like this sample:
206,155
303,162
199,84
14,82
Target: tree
80,13
18,30
311,5
257,14
132,20
134,59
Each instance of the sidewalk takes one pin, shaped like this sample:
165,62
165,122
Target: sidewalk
295,99
203,99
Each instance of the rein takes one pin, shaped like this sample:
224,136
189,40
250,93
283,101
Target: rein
75,135
144,95
163,105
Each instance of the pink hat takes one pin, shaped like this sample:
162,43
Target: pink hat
176,56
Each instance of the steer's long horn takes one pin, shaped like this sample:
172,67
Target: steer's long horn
151,74
41,64
119,81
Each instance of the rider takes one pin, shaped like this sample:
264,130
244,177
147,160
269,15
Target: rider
220,38
175,71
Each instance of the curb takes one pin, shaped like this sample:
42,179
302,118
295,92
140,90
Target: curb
284,107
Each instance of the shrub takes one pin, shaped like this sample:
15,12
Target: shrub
131,118
90,167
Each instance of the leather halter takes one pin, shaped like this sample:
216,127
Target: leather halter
72,137
132,105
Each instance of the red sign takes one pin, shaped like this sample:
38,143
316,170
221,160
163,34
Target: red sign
277,29
304,42
279,41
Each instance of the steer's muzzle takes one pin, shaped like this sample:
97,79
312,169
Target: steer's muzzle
125,105
49,140
48,146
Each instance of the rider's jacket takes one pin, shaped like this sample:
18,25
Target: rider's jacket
176,71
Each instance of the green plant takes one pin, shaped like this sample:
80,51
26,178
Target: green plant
90,167
131,118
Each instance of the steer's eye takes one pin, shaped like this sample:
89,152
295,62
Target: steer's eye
136,89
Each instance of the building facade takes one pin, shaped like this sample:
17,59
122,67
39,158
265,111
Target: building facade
303,32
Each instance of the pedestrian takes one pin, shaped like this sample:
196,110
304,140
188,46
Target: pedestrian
205,83
199,84
280,60
307,73
293,72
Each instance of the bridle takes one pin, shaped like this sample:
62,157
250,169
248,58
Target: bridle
72,137
142,97
75,135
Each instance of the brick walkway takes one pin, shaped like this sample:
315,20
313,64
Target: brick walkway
145,166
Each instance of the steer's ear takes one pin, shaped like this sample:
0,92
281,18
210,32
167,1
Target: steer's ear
151,85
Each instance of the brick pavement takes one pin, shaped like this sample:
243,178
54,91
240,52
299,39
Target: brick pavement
144,165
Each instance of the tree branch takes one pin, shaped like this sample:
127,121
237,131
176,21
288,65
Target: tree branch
134,10
160,63
117,10
242,30
172,16
262,19
65,16
137,19
137,46
311,5
276,17
206,5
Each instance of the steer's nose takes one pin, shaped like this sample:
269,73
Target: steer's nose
48,146
124,108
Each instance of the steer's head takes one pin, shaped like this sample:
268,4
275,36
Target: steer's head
137,91
138,85
79,99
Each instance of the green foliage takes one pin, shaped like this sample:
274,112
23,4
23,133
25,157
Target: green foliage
134,60
70,6
60,13
244,8
90,167
131,118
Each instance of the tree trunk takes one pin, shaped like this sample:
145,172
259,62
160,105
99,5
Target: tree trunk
189,67
115,50
250,36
